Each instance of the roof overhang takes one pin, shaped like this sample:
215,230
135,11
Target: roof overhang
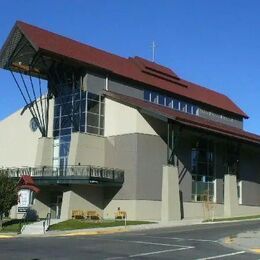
185,119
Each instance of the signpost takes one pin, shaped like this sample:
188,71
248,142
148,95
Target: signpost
24,200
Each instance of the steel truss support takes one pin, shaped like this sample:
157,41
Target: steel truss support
37,104
34,67
172,142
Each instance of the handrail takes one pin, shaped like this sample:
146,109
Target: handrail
22,221
88,171
47,221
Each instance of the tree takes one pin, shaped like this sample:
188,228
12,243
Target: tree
8,194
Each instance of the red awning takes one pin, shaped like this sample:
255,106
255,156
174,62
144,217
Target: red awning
26,182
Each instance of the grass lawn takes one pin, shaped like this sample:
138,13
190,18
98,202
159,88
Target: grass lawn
81,224
11,225
233,218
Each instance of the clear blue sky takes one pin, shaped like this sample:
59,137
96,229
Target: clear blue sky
212,43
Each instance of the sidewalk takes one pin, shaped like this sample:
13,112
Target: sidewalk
118,229
249,241
107,230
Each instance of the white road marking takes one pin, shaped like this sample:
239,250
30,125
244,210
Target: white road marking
160,252
180,247
145,242
185,239
157,244
117,257
220,256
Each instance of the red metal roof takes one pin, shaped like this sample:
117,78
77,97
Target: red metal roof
186,119
136,68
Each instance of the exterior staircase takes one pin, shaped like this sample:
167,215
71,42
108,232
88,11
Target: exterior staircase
37,228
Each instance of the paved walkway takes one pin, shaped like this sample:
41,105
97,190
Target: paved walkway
249,241
36,228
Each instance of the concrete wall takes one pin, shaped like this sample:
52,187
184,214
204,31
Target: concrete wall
135,209
206,113
151,156
200,210
126,89
183,152
44,153
87,149
18,143
81,197
121,119
249,174
42,202
94,83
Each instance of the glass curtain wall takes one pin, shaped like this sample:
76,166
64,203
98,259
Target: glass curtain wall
203,174
75,111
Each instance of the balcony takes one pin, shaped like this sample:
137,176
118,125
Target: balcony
78,174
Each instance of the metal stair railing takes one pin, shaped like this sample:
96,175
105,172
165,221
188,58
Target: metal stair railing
46,223
22,223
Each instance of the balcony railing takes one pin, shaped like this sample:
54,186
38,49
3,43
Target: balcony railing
92,173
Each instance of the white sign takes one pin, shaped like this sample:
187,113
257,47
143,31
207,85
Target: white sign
24,197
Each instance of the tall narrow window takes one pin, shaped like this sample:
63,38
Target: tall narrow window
203,165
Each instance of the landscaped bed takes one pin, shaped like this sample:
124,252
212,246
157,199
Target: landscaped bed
84,224
11,225
233,218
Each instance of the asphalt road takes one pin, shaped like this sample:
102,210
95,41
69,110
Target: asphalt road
190,242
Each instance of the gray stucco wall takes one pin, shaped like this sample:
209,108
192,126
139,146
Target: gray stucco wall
138,92
126,89
205,113
142,157
219,170
94,83
152,155
250,175
121,152
183,152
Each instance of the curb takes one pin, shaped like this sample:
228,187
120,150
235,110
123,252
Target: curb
122,229
89,233
6,236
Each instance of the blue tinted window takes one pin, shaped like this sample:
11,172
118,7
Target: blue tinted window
56,110
189,108
93,96
183,106
64,149
154,97
147,95
162,100
195,110
169,102
176,104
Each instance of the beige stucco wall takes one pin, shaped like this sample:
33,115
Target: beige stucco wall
135,209
87,149
80,197
121,119
18,144
200,210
